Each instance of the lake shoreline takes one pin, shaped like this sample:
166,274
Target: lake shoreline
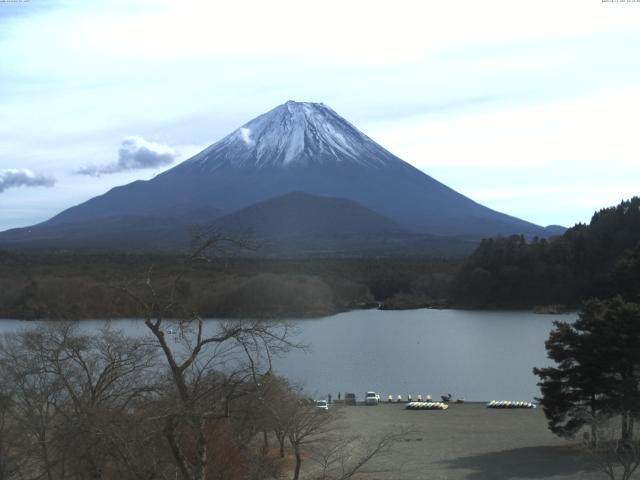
475,355
538,310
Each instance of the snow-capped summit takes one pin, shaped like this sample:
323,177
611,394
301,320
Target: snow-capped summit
294,133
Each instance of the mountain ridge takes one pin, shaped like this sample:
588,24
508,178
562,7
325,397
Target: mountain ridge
298,147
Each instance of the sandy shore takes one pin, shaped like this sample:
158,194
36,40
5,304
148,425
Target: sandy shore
469,441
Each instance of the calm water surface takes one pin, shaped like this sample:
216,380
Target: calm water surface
476,355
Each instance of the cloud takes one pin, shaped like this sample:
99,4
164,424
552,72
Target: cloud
246,136
586,130
23,177
135,153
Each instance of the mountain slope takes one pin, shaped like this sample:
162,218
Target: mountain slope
304,147
133,234
292,225
299,214
298,224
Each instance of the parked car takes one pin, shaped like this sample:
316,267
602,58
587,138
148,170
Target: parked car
371,398
322,405
350,399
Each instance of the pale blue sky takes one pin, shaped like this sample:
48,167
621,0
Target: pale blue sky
530,108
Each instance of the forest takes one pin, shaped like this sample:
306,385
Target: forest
598,259
85,286
601,259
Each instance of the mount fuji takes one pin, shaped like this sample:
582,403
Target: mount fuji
296,147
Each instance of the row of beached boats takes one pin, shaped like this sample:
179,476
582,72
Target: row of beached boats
509,404
426,406
408,398
492,404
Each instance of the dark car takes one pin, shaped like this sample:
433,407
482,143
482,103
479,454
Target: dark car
350,398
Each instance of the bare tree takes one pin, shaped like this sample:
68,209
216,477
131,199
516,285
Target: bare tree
343,458
10,458
101,377
617,450
71,395
240,349
320,434
34,398
306,426
277,399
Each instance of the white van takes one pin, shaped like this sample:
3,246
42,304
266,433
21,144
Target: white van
371,398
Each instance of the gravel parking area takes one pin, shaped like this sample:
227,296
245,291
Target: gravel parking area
469,441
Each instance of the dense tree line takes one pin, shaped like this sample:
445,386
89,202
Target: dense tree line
81,286
596,260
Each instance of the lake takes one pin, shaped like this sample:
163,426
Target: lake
476,355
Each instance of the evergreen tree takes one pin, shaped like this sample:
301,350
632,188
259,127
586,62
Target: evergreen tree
598,369
601,259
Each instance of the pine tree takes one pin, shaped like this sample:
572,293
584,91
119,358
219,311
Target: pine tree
597,375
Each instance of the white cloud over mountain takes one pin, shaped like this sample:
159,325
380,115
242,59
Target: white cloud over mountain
135,153
23,177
